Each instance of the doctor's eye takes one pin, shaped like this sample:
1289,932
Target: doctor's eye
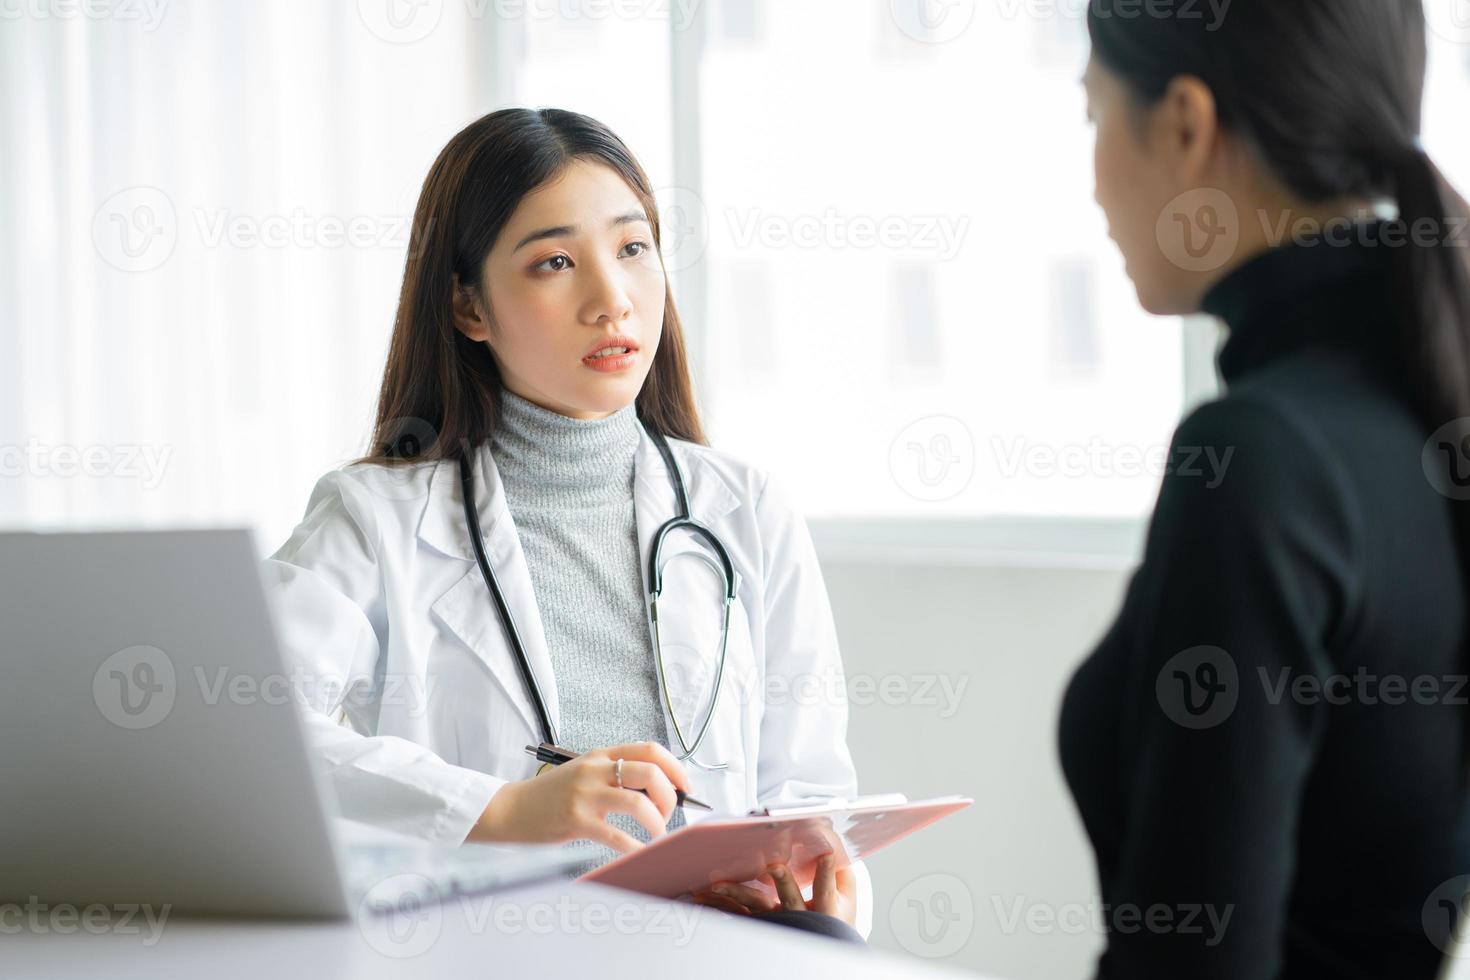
556,263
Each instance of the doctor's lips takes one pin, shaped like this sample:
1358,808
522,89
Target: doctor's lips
613,353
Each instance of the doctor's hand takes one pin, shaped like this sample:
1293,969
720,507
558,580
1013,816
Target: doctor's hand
834,892
571,801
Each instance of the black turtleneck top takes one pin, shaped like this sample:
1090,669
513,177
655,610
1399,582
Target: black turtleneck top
1266,748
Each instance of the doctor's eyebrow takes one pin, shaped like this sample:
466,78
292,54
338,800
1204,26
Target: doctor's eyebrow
562,231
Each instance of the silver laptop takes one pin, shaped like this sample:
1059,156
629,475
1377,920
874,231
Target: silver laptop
153,753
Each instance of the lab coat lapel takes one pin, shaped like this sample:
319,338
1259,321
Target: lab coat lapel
468,608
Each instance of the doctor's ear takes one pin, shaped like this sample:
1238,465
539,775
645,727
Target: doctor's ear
471,317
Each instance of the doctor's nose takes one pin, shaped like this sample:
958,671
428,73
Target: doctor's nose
607,299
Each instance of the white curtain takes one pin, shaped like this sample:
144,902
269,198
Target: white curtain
204,226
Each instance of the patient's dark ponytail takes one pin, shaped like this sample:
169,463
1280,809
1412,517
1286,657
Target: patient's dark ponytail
1434,294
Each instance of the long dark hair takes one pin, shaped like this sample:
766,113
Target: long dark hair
1330,94
441,391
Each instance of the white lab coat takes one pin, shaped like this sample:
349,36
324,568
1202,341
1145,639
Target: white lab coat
383,611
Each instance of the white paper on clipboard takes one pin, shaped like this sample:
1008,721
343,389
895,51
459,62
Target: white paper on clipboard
832,805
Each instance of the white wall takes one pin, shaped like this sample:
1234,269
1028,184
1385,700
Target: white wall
1007,640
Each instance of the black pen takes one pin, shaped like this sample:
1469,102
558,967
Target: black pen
555,755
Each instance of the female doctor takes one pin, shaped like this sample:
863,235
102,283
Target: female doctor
536,359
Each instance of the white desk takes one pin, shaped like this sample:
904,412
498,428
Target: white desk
557,928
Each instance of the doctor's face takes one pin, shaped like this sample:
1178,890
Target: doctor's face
573,273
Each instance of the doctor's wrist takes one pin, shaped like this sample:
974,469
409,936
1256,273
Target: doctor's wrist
496,820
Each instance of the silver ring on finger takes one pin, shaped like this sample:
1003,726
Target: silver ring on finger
618,773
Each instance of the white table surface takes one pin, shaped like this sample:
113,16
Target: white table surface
553,928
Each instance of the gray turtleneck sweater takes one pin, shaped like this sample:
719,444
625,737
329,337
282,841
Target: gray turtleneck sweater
569,485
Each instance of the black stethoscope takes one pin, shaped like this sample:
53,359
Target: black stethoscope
725,568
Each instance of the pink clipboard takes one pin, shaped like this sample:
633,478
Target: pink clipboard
741,848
